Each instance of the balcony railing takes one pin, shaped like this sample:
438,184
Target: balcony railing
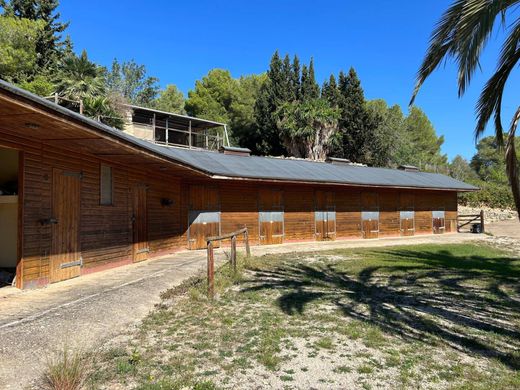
176,137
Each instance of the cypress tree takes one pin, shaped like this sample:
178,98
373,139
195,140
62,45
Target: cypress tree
304,82
269,100
357,126
287,80
330,91
310,88
295,78
314,88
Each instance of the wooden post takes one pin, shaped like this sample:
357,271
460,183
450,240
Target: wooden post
189,133
167,140
153,128
482,221
211,271
234,253
81,106
246,239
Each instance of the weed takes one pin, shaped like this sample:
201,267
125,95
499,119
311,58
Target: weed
68,370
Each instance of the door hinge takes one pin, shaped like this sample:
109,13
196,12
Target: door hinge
79,175
72,264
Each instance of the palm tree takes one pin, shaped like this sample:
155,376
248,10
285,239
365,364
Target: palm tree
462,34
78,78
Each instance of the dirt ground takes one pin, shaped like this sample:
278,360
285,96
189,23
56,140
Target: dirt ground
508,228
85,312
428,316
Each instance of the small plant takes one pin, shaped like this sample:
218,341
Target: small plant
135,358
206,385
365,369
66,371
325,343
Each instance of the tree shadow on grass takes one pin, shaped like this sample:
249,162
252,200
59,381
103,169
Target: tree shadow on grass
468,302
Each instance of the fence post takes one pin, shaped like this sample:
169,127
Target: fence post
246,239
482,221
211,273
234,253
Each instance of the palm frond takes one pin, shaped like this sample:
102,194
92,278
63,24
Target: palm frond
473,31
512,161
490,100
461,33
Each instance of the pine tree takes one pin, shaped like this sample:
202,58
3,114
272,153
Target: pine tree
49,43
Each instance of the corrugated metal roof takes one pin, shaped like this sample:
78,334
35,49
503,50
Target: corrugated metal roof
221,165
267,168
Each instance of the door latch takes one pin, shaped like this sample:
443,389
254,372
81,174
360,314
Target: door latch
49,221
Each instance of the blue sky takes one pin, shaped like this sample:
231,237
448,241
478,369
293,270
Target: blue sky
179,42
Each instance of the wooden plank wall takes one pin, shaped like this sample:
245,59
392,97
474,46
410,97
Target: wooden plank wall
106,231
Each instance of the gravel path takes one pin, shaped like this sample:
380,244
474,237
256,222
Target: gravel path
83,313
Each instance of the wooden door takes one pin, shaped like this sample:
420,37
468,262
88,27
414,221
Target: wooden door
438,222
370,227
65,259
204,215
407,223
271,216
407,213
370,214
140,245
325,215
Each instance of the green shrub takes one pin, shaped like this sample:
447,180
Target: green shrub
491,194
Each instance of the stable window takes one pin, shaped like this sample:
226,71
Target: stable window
106,185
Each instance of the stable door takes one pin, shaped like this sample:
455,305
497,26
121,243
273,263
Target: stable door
325,216
204,215
65,259
438,221
270,216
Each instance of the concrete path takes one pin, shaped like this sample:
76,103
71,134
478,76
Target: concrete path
84,312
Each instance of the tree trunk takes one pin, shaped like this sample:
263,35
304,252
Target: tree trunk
512,161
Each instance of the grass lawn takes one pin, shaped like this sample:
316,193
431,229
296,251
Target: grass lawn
425,316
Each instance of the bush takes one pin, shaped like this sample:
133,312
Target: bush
491,194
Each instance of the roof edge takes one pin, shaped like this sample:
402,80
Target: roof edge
344,184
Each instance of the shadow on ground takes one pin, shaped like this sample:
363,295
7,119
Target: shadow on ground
468,302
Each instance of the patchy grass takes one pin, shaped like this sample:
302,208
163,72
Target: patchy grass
425,316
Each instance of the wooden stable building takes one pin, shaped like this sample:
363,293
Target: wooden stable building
78,196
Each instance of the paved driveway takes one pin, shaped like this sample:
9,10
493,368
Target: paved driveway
84,312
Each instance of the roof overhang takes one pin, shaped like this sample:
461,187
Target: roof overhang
30,117
70,129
